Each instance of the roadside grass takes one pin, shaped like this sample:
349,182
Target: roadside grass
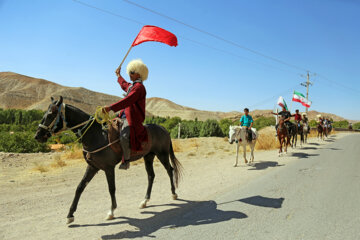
40,168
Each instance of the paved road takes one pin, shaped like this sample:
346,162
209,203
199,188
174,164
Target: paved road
317,196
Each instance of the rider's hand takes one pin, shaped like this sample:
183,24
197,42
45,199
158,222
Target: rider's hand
117,71
106,109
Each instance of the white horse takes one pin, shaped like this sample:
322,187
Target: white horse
238,134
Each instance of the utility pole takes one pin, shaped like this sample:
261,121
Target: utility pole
307,84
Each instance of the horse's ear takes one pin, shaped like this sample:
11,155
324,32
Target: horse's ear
60,101
52,99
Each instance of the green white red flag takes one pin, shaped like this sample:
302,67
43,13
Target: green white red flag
281,102
299,97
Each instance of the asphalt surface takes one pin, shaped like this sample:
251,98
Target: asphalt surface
315,196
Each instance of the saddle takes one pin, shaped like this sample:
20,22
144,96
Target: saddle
114,134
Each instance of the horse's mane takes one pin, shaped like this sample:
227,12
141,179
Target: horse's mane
78,110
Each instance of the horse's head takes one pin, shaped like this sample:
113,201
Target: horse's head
232,134
52,121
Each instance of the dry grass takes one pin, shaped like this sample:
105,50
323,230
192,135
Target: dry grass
210,153
194,143
267,141
40,167
192,154
58,162
75,152
176,145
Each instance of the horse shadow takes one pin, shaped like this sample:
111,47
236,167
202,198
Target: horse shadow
332,148
261,201
303,155
309,148
316,144
329,140
264,165
187,213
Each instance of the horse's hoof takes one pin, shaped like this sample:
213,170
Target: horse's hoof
235,165
143,203
70,220
175,196
110,217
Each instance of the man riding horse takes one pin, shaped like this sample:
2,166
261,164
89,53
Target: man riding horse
132,107
247,121
305,120
286,115
297,119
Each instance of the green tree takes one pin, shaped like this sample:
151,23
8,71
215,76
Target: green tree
224,125
341,124
21,142
211,128
313,123
262,122
356,125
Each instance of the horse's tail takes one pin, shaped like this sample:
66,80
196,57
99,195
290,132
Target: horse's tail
178,168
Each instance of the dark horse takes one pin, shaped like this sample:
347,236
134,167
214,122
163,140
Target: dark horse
299,131
283,136
60,117
321,131
292,129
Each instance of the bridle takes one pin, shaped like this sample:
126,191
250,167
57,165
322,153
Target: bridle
61,115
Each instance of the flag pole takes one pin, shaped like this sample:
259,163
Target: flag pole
125,56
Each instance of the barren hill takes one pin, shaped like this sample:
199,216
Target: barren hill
24,92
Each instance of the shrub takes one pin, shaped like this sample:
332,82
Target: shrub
188,129
21,142
313,123
341,124
224,125
262,122
356,125
211,128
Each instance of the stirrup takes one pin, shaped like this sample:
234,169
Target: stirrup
125,165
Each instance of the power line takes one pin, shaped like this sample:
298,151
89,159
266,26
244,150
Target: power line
217,36
235,44
183,37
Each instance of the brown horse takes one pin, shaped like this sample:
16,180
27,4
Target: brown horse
283,136
321,130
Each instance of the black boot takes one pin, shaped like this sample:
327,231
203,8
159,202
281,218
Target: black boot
125,165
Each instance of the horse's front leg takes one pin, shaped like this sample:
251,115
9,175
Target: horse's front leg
244,154
237,153
252,151
281,143
89,174
110,177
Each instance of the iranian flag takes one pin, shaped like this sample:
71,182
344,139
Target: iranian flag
281,102
299,97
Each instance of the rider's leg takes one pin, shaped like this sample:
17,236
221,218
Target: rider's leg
125,145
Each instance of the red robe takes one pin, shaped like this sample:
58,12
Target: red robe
134,106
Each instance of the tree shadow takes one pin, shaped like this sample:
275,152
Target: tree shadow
264,165
192,213
260,201
303,155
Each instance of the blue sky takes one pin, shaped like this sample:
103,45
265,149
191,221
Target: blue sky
74,45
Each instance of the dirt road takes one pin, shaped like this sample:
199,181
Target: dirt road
34,205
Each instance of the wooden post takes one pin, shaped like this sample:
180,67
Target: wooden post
179,130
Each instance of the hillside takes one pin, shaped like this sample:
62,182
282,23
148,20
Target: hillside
24,92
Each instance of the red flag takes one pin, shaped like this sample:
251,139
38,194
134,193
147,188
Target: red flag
152,33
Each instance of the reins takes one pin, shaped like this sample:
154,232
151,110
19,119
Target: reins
99,117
